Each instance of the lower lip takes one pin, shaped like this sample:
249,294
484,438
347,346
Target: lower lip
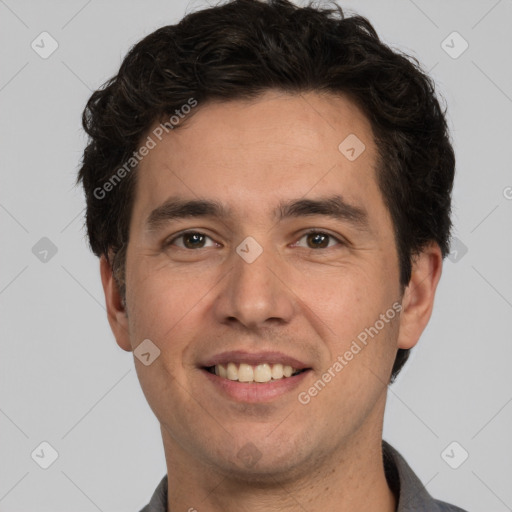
255,392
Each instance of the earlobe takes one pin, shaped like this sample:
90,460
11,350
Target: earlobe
418,299
116,312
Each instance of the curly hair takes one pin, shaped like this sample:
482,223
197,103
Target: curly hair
242,48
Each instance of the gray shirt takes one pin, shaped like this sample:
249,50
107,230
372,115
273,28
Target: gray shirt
412,495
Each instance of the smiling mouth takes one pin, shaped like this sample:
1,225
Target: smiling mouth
260,373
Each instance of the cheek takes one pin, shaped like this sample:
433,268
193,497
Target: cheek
347,308
345,299
162,301
164,308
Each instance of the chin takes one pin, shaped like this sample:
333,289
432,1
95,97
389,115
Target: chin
264,465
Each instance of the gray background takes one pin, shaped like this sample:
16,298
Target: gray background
63,378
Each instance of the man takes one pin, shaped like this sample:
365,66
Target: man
268,189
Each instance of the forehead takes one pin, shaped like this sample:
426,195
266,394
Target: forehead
253,154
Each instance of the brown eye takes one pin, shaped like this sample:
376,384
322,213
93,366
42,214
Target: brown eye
193,240
320,240
190,240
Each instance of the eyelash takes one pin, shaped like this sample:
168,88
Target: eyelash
170,242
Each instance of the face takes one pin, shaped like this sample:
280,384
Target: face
289,263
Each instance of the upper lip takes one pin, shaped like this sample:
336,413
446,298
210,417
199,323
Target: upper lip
254,358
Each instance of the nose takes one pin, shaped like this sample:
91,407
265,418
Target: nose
255,294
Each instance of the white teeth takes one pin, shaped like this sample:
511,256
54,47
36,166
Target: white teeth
277,371
245,373
260,373
221,371
232,372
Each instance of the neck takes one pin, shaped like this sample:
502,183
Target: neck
349,478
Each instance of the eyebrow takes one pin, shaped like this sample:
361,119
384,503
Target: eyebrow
333,206
176,208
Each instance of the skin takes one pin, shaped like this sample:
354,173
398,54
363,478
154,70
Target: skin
307,302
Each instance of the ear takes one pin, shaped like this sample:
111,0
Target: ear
116,312
418,299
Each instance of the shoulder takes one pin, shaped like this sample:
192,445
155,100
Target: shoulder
412,496
158,502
